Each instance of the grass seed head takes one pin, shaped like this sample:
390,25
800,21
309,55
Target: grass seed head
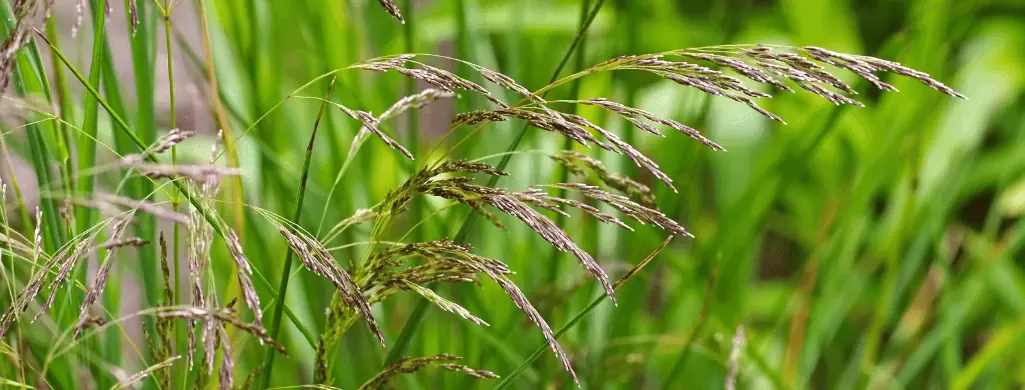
393,9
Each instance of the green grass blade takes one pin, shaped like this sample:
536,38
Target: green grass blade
286,269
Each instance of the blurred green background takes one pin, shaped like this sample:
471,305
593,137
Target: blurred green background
876,247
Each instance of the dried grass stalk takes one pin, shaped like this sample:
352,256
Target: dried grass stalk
115,204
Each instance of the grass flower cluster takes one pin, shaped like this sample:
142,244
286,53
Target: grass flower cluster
198,233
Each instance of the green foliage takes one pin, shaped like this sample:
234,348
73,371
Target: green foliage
855,247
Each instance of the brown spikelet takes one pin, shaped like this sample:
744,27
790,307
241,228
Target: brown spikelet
444,256
521,301
442,303
102,274
386,63
372,124
628,207
415,101
515,206
634,113
248,383
81,249
197,173
125,242
577,128
21,302
575,162
200,237
624,148
446,81
410,365
507,82
393,9
244,280
165,326
133,11
131,381
318,260
225,315
544,119
227,361
865,67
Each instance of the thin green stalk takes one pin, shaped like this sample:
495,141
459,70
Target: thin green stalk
143,44
132,189
86,147
18,197
416,317
412,116
681,361
413,140
66,114
227,135
287,267
25,82
41,85
28,78
175,198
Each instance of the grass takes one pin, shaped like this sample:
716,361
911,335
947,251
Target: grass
856,247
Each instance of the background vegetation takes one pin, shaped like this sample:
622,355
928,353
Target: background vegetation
876,247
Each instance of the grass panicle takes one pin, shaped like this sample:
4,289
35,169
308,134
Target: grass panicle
409,365
392,8
132,381
406,253
102,275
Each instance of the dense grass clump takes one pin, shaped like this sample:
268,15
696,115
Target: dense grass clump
234,212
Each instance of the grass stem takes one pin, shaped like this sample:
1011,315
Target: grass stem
286,269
